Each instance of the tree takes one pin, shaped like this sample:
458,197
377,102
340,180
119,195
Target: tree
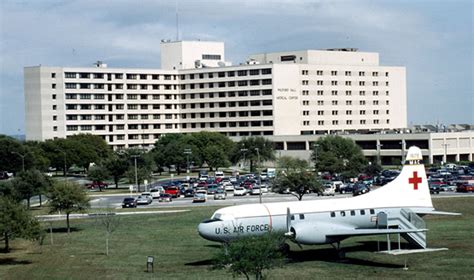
16,221
219,154
110,221
98,173
292,164
254,149
298,183
251,255
336,154
9,161
116,166
29,183
68,197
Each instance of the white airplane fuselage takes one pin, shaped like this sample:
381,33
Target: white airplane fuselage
328,220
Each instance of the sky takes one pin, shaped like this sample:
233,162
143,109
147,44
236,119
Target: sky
432,39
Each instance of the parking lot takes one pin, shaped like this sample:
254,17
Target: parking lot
115,200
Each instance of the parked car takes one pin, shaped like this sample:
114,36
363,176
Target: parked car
173,191
144,199
255,190
129,202
220,194
165,197
228,186
465,188
434,188
211,189
240,191
360,188
96,185
155,193
148,194
200,196
348,188
219,174
188,192
447,188
328,189
4,175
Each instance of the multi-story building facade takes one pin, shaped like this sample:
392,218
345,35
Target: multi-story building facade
288,93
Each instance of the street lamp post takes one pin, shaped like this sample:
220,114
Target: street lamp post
259,177
379,158
22,159
136,174
244,151
315,146
187,152
445,153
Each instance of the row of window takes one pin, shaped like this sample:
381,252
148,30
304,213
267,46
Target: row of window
240,93
362,212
118,86
242,83
223,74
229,124
346,83
232,114
346,73
348,122
347,92
265,113
348,102
118,76
347,112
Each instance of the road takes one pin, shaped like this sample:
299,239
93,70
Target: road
115,200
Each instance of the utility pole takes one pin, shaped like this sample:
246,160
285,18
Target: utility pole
259,177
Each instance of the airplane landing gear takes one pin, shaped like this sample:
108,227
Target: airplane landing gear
340,253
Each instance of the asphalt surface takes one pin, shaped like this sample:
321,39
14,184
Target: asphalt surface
115,200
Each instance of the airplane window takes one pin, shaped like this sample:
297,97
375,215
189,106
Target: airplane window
292,217
353,213
372,211
301,216
362,212
343,214
333,214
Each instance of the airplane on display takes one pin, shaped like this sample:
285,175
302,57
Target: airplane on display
395,208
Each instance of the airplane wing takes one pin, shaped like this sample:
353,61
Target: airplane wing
422,212
356,232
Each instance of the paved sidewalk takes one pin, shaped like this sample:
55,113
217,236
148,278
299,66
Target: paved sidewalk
58,217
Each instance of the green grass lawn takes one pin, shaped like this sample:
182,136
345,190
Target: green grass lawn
181,254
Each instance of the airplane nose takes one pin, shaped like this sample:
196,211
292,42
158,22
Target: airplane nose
205,231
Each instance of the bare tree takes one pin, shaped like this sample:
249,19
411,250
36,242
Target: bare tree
110,221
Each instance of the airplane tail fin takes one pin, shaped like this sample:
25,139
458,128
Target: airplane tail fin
410,188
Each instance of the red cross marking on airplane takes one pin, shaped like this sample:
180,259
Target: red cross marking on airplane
415,180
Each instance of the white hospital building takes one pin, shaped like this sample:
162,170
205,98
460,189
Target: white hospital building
295,93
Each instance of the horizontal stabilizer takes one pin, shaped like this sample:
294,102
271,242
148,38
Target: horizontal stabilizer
437,213
355,232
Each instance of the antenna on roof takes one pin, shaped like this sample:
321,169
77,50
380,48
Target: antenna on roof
177,22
